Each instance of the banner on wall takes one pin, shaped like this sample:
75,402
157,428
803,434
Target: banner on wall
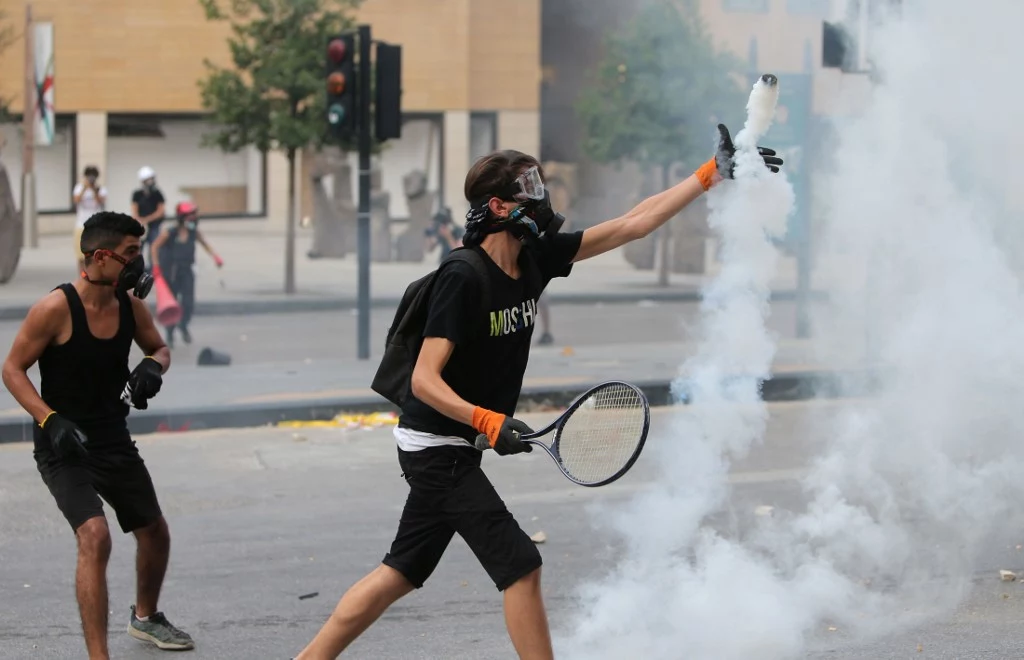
42,42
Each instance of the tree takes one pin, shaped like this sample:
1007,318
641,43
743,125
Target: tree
657,94
274,97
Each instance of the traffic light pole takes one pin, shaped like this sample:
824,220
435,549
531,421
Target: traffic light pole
363,229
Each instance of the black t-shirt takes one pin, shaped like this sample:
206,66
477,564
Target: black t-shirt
492,347
147,202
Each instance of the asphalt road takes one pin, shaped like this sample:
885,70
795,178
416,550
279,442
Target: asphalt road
260,517
296,337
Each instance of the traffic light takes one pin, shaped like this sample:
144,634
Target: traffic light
388,92
341,85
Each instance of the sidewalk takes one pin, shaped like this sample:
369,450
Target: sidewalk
252,280
252,395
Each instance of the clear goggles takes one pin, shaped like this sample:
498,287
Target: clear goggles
528,186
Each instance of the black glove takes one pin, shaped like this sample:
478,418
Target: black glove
65,437
726,155
144,383
504,438
508,441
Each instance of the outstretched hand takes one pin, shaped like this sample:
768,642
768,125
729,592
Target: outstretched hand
725,156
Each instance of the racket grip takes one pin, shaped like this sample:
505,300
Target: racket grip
482,443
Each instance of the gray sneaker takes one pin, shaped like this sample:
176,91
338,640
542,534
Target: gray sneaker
158,630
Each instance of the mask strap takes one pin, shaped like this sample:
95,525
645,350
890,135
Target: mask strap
113,255
85,277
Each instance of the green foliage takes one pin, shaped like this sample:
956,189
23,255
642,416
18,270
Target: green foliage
274,97
659,91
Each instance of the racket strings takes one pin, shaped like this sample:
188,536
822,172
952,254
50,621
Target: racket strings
601,436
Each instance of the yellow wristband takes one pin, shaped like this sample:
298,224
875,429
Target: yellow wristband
48,416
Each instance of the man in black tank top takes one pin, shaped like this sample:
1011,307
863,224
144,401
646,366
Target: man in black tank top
81,335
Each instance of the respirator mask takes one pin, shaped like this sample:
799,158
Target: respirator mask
534,212
531,219
133,277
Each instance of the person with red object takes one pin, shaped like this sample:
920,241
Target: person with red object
175,250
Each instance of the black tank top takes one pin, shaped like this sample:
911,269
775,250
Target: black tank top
181,252
82,379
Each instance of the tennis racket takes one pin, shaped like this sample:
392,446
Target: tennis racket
599,437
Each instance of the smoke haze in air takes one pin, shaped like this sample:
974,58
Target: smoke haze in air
917,237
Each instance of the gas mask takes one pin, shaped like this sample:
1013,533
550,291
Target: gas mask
532,218
133,277
538,216
534,215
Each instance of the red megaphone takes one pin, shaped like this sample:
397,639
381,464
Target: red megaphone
168,311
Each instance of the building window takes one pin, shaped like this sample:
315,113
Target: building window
412,164
483,134
54,165
748,6
220,184
819,8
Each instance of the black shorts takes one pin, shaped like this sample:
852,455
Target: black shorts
117,474
449,493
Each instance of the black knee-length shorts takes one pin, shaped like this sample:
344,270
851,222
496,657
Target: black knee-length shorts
449,494
115,473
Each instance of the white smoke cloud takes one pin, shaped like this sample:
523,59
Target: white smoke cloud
919,248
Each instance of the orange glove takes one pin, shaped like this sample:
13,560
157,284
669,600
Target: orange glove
502,431
488,422
708,174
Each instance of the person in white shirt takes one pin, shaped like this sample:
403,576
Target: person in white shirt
90,197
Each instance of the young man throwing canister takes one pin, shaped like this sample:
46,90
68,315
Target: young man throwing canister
466,381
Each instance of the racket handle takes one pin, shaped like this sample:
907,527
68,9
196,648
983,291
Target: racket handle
482,443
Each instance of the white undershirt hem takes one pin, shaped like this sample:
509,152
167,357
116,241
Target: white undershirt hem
410,440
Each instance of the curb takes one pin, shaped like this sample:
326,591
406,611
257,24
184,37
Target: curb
332,304
790,386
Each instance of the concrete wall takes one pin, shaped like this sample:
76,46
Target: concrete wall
121,57
125,56
219,182
788,32
504,54
53,165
